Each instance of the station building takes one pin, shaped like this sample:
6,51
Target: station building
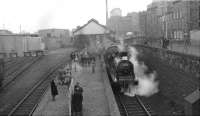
91,35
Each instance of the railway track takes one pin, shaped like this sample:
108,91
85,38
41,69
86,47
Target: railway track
132,106
15,66
12,62
10,78
28,104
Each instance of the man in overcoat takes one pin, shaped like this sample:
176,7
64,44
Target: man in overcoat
76,101
54,90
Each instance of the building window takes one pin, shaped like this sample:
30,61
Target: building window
178,35
181,35
174,34
48,34
171,35
199,16
177,15
174,15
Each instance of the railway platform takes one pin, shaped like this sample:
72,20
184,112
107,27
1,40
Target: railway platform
98,100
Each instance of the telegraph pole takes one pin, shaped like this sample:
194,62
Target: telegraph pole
106,12
3,26
20,29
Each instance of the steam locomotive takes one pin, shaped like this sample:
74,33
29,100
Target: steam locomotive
119,68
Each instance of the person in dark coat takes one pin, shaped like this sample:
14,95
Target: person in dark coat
54,90
76,101
93,66
78,88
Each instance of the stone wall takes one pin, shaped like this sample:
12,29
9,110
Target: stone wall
187,63
178,75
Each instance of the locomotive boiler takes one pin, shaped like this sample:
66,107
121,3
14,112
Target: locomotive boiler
120,70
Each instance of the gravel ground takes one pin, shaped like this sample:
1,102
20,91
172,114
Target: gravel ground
94,99
13,93
173,87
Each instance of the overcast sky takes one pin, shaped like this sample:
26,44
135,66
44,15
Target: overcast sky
65,14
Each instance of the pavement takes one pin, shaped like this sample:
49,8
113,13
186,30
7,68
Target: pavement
95,102
24,83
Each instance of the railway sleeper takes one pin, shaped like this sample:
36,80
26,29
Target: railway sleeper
134,107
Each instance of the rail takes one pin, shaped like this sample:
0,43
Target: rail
28,104
133,106
19,72
148,113
124,107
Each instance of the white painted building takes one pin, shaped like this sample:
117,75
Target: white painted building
20,43
94,32
93,27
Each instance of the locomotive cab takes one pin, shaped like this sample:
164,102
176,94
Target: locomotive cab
123,54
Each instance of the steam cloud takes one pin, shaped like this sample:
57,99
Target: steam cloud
147,85
121,45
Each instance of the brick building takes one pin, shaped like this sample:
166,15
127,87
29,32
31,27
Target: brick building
55,38
114,24
121,25
116,12
143,23
54,33
172,19
154,13
135,28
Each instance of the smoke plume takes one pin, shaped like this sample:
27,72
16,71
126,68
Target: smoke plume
121,45
147,85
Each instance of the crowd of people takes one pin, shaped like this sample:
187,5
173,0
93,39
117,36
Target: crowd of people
64,78
85,59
